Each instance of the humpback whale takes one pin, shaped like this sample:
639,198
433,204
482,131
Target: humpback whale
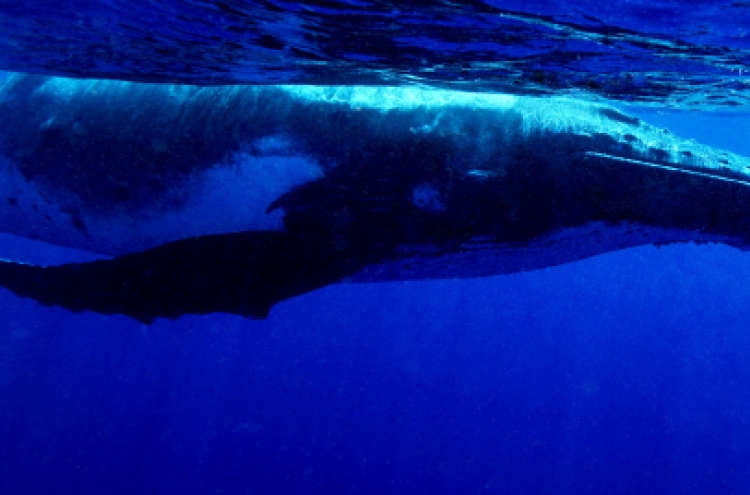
234,198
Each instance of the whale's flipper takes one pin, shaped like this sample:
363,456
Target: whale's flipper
244,274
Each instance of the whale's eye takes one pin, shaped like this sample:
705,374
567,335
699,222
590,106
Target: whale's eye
428,198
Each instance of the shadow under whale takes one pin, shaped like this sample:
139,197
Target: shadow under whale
232,199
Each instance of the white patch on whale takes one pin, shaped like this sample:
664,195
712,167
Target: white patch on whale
234,196
231,196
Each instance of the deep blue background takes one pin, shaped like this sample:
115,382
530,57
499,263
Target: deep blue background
622,374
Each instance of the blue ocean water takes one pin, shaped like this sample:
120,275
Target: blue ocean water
621,374
624,373
689,53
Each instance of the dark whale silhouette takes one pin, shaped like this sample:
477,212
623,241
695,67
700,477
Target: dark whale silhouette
231,199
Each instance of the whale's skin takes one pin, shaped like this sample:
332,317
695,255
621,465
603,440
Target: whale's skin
234,198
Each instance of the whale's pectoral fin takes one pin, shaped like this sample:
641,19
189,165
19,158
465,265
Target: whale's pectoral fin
244,274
